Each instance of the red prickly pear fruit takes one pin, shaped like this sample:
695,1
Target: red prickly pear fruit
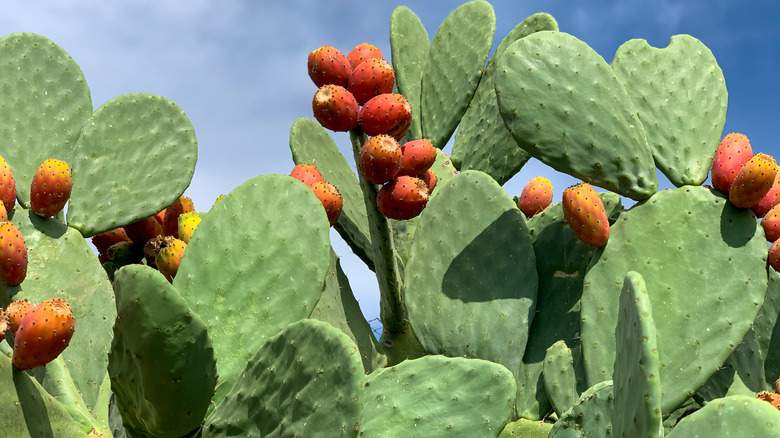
328,66
418,156
585,214
771,199
430,180
44,332
50,188
16,311
171,221
107,238
379,159
13,255
7,186
388,114
536,196
363,52
307,174
402,198
753,182
774,255
732,152
331,199
771,224
143,230
168,256
371,78
335,108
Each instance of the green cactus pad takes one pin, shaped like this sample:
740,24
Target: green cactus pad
681,98
305,381
437,396
467,295
738,416
590,417
256,264
637,388
311,144
564,105
45,102
561,263
560,381
454,67
741,374
162,364
62,265
338,307
483,142
409,46
524,428
681,241
767,328
136,155
27,410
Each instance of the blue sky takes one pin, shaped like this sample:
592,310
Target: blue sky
238,67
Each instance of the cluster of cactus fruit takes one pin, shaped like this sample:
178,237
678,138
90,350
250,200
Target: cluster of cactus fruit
501,317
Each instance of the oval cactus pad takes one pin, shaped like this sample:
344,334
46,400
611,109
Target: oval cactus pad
565,106
681,242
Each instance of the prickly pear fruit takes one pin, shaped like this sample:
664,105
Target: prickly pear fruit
13,255
754,180
331,199
402,198
774,255
3,324
771,224
160,216
585,214
733,151
171,222
168,256
107,238
3,213
187,224
769,200
16,311
44,332
7,186
388,114
307,174
363,52
536,196
770,397
327,65
380,159
335,108
142,230
418,156
50,188
124,253
430,180
370,78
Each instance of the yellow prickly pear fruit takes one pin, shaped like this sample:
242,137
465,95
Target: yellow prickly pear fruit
187,224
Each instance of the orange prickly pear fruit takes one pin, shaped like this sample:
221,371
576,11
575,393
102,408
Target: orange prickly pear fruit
331,199
363,52
16,311
386,113
753,181
402,198
371,78
3,213
50,188
770,397
307,174
107,238
187,224
328,66
7,186
771,224
335,108
585,214
168,256
536,196
430,180
380,159
771,199
774,255
4,325
143,230
732,152
417,157
13,255
172,213
44,332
